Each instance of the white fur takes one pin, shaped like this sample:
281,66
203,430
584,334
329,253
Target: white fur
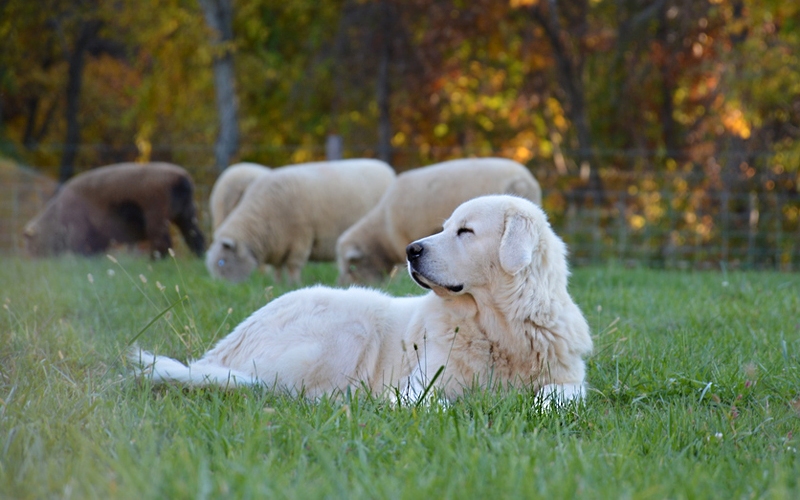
164,369
295,214
487,326
230,187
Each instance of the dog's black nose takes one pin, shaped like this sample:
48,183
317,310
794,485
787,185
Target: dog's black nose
414,251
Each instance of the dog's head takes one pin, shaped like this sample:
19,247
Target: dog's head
498,245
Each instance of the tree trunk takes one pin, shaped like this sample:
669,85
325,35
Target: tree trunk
569,68
30,122
87,32
733,145
383,89
668,125
228,140
33,130
334,147
219,16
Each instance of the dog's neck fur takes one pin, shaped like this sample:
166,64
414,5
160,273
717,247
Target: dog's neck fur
523,343
501,313
498,325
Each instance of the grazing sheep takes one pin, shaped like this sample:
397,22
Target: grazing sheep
229,189
416,206
295,214
122,203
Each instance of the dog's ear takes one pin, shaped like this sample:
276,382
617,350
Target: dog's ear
517,243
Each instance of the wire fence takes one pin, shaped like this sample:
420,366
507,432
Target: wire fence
686,218
682,219
740,230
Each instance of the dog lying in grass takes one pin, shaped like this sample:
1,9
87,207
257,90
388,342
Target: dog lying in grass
498,313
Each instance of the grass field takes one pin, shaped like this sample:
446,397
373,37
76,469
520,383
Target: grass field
695,394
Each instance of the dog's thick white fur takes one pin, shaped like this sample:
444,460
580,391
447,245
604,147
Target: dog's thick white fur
498,314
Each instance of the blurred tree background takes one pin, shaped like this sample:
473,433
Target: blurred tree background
668,123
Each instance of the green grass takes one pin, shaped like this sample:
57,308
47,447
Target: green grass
695,385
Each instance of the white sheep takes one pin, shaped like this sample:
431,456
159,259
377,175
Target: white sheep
295,214
416,206
229,189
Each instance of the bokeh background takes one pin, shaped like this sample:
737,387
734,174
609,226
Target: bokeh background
664,133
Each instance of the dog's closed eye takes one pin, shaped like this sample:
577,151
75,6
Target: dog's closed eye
464,230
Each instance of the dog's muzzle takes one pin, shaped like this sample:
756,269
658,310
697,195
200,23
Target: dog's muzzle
414,253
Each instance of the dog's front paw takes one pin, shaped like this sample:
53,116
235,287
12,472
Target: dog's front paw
559,395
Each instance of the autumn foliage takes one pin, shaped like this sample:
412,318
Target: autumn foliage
599,98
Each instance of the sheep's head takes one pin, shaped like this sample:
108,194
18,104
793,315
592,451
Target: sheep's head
44,235
358,265
230,260
31,234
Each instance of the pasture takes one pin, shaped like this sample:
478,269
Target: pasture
695,393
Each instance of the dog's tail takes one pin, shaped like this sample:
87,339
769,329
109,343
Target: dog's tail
161,369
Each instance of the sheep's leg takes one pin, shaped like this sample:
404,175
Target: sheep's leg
296,260
157,231
186,221
83,238
184,215
270,271
293,275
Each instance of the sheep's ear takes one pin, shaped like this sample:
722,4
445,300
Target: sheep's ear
353,254
517,243
29,232
228,244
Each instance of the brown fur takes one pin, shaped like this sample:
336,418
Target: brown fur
123,203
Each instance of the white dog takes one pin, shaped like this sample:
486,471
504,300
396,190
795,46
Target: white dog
498,314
